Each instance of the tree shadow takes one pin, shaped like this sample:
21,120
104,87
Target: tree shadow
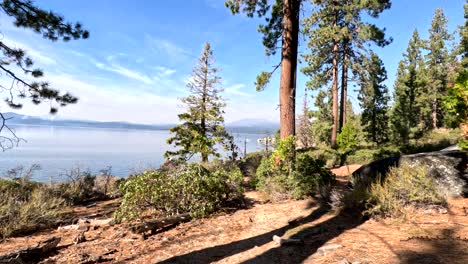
445,249
313,236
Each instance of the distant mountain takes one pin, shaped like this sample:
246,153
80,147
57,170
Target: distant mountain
18,119
260,126
254,126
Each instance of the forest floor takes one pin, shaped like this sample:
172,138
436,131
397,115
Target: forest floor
245,236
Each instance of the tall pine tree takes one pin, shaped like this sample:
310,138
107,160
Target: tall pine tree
203,123
282,24
357,34
437,61
408,113
373,97
339,36
322,29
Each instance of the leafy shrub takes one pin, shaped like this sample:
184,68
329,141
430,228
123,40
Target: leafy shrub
26,206
347,139
362,156
330,156
403,186
249,164
346,142
310,177
365,156
283,175
189,188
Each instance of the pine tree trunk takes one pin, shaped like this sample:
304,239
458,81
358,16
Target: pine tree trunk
344,85
335,90
288,67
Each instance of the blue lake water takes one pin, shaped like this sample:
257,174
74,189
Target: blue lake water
58,149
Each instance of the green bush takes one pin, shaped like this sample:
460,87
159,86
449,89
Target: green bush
283,175
189,188
310,177
249,164
402,187
329,156
27,206
362,156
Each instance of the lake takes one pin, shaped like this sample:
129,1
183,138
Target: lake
58,149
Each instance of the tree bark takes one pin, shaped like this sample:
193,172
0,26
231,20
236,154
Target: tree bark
335,88
290,41
344,85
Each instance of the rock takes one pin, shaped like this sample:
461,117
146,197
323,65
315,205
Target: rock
68,227
448,168
80,238
323,251
287,242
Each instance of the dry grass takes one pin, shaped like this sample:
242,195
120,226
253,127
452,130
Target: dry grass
404,187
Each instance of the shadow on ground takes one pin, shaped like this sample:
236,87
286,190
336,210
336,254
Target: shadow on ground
314,236
440,250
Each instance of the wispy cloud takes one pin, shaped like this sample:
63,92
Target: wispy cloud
129,73
164,71
169,49
236,90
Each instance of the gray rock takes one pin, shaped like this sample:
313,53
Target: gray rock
323,251
448,168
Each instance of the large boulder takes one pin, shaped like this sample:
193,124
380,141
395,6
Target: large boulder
448,168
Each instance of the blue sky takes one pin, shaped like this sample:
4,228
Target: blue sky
140,54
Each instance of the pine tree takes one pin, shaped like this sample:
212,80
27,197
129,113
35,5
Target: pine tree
202,126
356,36
304,133
464,39
373,97
408,116
321,126
323,32
19,67
339,36
283,23
437,64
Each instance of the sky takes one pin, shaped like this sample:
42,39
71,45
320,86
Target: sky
140,54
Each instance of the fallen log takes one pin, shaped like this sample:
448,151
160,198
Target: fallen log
31,254
153,225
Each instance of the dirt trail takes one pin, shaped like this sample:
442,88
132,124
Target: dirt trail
245,236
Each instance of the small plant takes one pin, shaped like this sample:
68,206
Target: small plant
346,142
188,188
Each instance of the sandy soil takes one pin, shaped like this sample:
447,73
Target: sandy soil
245,236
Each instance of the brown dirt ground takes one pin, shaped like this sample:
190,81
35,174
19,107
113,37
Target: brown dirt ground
245,236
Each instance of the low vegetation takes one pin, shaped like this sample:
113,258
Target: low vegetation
187,188
286,174
27,206
394,195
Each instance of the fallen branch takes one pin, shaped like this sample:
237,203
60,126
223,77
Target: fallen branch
159,223
32,253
